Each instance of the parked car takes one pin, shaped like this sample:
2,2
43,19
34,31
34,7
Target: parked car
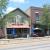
37,32
34,35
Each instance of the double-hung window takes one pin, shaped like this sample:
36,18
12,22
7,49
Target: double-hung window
37,17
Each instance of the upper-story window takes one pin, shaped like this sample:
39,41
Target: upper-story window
13,20
37,16
18,19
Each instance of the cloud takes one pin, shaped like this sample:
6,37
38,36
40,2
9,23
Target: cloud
19,1
11,6
9,9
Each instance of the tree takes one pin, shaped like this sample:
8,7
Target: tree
3,6
45,19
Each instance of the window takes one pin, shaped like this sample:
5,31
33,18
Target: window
37,16
18,19
13,20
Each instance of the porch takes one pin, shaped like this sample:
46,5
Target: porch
17,30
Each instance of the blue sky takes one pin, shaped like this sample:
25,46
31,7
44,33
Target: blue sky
25,4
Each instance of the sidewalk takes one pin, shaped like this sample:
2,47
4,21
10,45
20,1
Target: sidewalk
4,43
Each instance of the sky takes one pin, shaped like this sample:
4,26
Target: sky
25,4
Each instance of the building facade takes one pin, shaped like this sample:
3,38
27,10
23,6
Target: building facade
22,24
35,13
17,24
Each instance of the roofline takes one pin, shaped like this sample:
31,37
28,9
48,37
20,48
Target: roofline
17,9
38,8
33,7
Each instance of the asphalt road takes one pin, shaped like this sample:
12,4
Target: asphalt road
29,47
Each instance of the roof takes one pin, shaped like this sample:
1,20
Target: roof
36,8
19,10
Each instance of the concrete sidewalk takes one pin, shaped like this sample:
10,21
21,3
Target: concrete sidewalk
4,43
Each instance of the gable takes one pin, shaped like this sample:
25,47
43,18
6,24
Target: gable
16,12
19,16
20,13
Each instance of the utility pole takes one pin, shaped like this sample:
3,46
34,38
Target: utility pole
30,26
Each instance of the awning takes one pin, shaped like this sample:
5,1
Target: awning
18,26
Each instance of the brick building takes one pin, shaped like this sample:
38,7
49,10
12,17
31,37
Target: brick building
35,13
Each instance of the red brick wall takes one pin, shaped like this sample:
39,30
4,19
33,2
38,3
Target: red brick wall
31,12
1,33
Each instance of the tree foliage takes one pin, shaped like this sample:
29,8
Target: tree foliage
3,5
45,19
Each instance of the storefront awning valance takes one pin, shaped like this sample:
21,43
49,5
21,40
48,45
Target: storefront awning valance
18,26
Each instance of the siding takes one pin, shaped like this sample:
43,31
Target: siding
15,13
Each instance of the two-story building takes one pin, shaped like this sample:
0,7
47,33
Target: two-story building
17,24
35,13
